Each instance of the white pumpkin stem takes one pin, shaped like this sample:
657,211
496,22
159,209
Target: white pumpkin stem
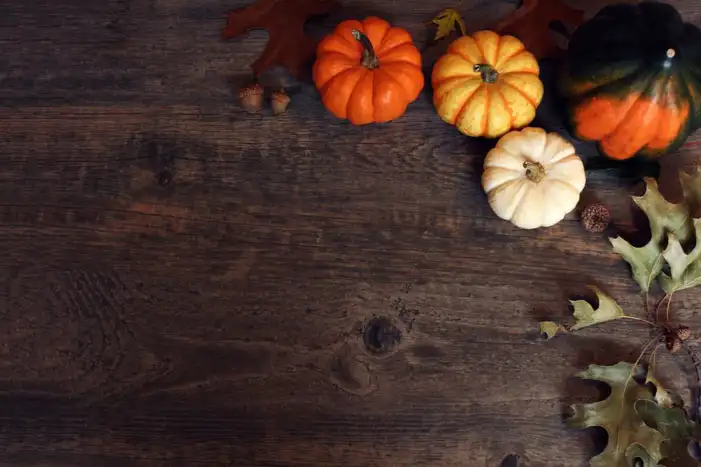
535,171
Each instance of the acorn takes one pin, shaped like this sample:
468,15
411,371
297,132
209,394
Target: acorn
279,101
252,97
683,333
595,218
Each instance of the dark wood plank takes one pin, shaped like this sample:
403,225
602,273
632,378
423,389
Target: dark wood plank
218,318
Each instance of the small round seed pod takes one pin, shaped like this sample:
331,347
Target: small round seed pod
595,218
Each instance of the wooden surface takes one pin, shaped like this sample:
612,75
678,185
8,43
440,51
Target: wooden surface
219,319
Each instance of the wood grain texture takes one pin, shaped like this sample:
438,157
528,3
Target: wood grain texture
187,284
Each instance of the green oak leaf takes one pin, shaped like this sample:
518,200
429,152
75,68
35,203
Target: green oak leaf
646,262
662,396
685,269
585,315
674,424
629,437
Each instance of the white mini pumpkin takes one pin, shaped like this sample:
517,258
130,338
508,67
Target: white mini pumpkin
533,178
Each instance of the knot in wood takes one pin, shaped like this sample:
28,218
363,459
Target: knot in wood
381,336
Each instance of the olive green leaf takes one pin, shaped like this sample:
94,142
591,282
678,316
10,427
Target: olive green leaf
685,270
549,329
447,21
662,396
674,424
585,315
646,262
629,438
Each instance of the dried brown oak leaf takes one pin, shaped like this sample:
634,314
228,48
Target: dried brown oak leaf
288,45
531,24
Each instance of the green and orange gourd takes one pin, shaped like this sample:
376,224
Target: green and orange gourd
632,80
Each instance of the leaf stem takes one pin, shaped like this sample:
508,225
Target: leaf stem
669,302
696,393
646,299
641,320
630,376
659,304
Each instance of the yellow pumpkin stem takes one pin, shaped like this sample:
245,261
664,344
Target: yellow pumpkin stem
488,73
535,171
370,60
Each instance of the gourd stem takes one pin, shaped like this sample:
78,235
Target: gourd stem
370,60
534,171
488,73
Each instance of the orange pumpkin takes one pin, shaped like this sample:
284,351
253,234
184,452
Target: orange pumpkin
368,71
487,84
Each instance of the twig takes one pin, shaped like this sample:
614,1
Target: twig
669,302
695,411
630,376
648,312
657,307
642,320
653,356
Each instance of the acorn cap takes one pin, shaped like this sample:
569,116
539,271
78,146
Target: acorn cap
252,90
252,97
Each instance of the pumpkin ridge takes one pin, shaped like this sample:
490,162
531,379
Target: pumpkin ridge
458,77
459,54
342,75
326,85
504,60
564,183
439,97
331,56
508,107
523,192
388,50
648,87
692,110
520,194
481,51
348,25
357,87
663,107
458,116
629,81
596,89
375,19
496,51
503,167
526,96
562,159
375,81
485,118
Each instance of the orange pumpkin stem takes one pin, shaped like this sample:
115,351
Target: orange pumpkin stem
369,60
534,171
